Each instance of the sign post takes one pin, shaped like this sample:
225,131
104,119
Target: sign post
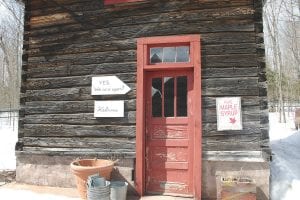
229,115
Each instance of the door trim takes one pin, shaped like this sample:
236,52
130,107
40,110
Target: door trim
143,45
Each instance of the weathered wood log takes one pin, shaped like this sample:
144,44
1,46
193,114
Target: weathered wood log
229,72
249,128
67,82
230,86
63,107
143,7
63,130
100,69
95,18
74,94
153,29
83,59
79,119
88,46
237,156
206,39
77,152
81,142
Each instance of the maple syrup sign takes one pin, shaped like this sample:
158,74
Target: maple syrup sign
229,113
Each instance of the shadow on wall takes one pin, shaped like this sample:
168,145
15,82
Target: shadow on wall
124,174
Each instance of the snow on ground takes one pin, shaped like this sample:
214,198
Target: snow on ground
285,168
8,139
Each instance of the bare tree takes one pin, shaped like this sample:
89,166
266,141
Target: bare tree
11,32
281,19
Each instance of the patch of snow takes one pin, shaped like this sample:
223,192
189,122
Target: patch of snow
29,195
285,170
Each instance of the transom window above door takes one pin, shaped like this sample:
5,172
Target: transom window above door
175,54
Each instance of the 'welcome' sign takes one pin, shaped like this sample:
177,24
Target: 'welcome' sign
109,109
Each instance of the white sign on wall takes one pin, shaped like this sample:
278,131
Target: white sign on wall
109,109
229,115
108,85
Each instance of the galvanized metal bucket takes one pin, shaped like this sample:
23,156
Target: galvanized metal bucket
118,190
98,188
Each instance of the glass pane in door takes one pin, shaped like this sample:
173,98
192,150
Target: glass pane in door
156,97
181,96
169,96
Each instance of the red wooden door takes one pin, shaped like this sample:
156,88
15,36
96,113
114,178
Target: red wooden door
169,147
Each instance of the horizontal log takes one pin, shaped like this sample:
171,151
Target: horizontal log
36,4
95,19
87,42
78,119
63,130
236,60
83,59
229,72
81,47
139,8
236,156
230,86
75,94
67,82
234,48
76,70
65,107
232,143
77,152
249,128
153,29
107,144
238,143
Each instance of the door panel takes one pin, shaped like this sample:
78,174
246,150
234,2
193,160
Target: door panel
169,151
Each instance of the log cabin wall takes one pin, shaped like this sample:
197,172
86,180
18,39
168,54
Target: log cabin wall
66,42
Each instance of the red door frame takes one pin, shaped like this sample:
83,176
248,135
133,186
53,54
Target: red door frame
143,66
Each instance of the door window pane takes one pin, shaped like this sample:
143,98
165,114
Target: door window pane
156,55
181,96
156,97
169,96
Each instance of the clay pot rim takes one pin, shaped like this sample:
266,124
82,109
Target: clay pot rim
76,167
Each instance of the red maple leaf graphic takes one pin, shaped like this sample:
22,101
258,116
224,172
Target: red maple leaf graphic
232,120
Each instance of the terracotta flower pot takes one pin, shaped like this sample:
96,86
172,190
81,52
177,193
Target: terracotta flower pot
86,167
